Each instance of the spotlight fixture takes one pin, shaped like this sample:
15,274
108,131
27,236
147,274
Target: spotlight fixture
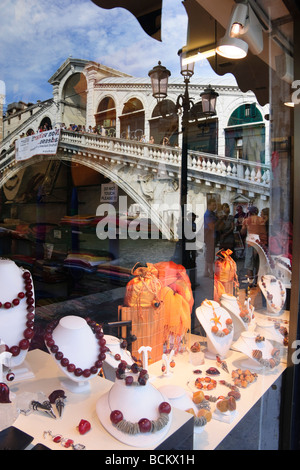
238,19
244,31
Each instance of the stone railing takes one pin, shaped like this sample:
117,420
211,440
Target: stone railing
201,165
198,162
7,158
240,170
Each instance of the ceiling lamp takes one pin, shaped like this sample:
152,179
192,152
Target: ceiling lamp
196,55
244,31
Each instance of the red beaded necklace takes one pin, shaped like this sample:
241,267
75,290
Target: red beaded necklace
64,361
14,302
28,332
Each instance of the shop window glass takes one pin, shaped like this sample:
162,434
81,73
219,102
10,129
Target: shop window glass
97,223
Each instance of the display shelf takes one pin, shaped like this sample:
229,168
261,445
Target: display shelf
83,406
182,435
182,374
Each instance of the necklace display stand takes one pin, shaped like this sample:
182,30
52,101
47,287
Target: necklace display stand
264,263
110,364
78,343
274,292
211,314
246,344
13,320
135,403
283,270
268,329
5,358
231,304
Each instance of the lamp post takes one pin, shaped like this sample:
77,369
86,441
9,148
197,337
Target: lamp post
159,80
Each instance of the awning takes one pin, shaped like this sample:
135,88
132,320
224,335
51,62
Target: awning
207,22
147,12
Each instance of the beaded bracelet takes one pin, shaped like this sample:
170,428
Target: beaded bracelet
135,368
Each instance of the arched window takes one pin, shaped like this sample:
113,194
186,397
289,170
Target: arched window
245,134
203,132
45,124
132,120
164,123
74,98
106,116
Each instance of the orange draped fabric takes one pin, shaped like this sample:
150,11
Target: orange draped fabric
175,276
159,290
225,279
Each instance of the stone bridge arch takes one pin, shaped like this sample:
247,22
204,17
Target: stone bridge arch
115,172
118,172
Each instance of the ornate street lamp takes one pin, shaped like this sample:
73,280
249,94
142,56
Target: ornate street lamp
209,101
159,80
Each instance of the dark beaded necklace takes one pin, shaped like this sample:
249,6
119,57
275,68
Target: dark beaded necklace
64,361
28,333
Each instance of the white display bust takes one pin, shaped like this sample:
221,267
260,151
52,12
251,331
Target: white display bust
234,308
110,364
211,314
247,343
76,340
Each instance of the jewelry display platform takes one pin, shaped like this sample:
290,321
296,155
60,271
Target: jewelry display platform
83,406
183,374
181,434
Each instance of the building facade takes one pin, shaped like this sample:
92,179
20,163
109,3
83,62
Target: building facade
90,94
89,97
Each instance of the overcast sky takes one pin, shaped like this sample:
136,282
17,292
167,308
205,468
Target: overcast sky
37,36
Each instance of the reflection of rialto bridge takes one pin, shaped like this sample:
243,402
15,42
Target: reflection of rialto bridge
89,94
150,174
